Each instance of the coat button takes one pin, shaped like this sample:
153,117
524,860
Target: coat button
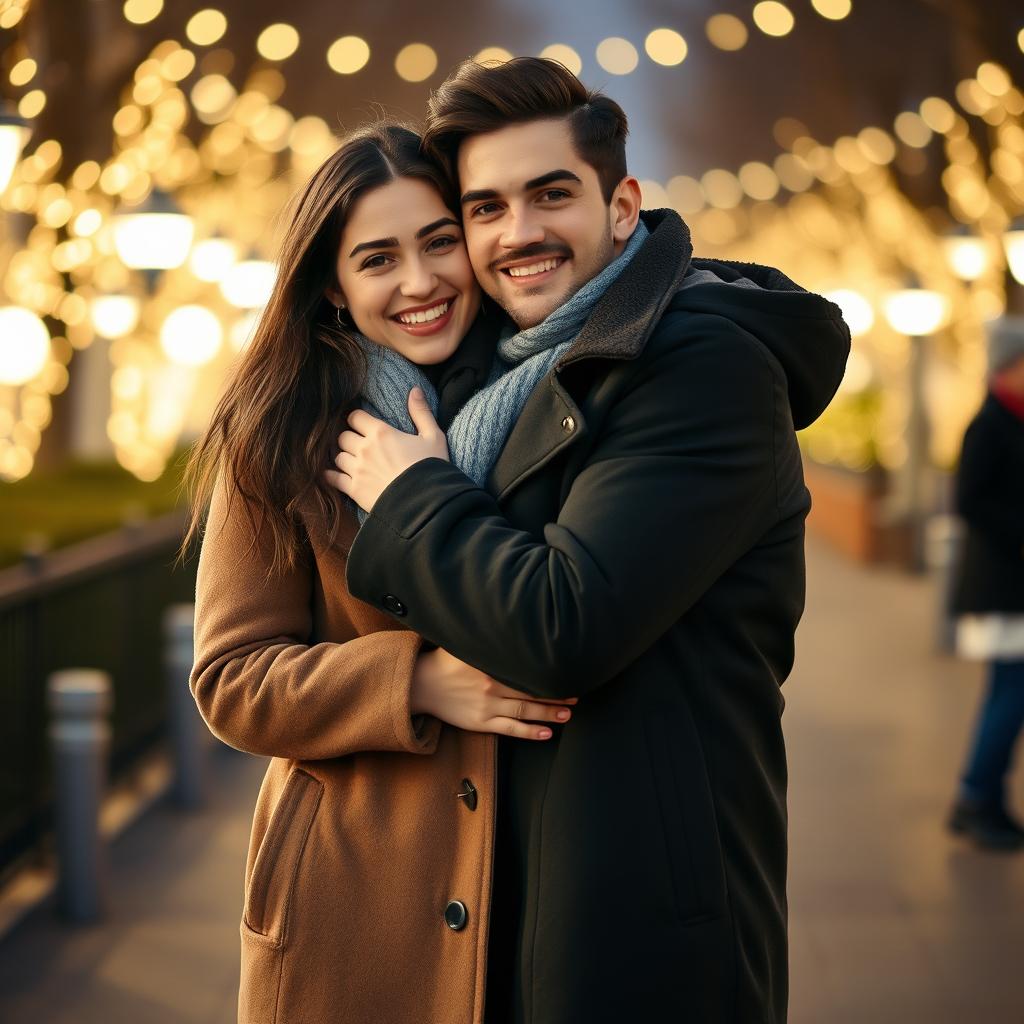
568,424
393,605
455,915
468,794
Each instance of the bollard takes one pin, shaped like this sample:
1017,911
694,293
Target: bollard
80,701
189,735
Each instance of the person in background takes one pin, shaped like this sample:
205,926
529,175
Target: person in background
989,590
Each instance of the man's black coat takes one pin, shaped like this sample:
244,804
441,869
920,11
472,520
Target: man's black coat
640,546
990,499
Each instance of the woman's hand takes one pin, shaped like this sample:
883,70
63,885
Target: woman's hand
373,453
463,696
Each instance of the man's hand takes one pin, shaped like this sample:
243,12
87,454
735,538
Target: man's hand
373,453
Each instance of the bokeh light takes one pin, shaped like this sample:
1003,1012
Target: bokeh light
348,55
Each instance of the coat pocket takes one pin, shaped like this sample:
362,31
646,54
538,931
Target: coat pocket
274,873
687,817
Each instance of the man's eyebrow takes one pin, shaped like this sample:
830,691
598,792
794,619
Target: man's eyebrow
434,225
378,243
545,179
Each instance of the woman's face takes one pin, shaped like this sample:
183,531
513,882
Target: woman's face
404,273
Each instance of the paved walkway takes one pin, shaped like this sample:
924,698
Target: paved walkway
892,920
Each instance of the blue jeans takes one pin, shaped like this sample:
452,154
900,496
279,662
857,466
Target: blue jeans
1000,719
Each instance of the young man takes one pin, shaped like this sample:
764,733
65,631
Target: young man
638,543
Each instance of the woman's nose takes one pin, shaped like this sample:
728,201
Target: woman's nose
418,281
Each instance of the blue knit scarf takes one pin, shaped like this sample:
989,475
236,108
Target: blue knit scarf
479,430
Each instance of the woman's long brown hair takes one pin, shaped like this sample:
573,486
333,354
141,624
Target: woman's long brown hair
274,428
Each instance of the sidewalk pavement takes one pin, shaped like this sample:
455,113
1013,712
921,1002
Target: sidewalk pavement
893,921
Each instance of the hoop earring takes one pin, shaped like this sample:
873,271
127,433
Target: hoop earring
337,313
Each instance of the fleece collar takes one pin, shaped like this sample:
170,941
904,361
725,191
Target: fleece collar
628,312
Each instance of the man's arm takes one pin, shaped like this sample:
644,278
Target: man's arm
679,485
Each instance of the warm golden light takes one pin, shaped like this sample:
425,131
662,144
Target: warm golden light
348,55
139,12
1013,244
857,311
685,194
726,31
492,54
759,181
155,237
212,97
916,312
248,285
911,129
212,258
994,79
565,55
24,345
277,42
836,10
14,133
114,316
617,56
937,114
666,46
31,104
205,27
191,336
416,62
773,18
722,189
23,72
967,256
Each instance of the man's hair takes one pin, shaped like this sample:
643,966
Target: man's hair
477,98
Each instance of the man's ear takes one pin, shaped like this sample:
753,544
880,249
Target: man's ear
625,208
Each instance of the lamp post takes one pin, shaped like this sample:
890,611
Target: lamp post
968,255
916,313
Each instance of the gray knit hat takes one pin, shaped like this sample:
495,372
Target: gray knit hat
1005,342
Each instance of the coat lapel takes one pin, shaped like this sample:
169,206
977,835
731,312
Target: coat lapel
618,329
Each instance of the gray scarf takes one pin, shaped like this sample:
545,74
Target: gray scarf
479,430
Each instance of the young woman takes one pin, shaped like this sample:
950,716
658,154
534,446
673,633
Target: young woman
367,883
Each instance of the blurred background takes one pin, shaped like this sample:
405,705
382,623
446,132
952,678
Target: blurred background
872,150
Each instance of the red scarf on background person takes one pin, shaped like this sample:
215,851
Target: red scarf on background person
1008,399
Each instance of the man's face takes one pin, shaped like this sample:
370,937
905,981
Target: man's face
537,227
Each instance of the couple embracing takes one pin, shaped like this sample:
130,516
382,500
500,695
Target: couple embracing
501,565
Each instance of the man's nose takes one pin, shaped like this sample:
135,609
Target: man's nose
521,230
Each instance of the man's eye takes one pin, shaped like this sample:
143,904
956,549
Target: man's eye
485,208
556,193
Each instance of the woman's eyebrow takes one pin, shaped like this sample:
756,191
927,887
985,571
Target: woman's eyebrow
380,243
440,222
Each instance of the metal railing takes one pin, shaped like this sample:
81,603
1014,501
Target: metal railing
98,604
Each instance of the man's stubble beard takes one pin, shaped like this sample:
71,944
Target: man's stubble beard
607,255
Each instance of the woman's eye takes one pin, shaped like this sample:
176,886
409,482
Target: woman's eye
444,242
374,262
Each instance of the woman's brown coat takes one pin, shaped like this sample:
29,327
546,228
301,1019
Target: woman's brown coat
360,839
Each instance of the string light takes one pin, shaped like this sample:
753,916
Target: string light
773,18
348,55
617,56
666,46
565,55
140,12
416,62
726,31
205,27
277,42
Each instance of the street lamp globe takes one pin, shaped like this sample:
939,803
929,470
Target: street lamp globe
114,316
967,255
24,345
153,236
14,133
191,336
916,312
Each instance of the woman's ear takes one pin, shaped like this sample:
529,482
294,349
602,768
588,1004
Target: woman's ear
335,297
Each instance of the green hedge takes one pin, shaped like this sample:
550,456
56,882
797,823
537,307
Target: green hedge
52,508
